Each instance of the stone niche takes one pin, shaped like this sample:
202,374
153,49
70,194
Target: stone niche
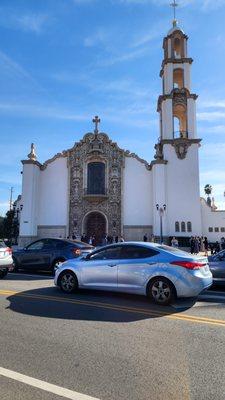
95,147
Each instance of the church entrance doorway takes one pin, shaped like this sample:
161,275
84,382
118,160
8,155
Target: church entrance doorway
95,224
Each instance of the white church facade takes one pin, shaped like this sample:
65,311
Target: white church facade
99,189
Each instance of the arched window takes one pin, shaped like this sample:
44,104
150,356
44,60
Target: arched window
180,120
177,47
183,227
189,226
96,178
178,78
177,227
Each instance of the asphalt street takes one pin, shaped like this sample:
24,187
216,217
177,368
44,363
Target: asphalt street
107,346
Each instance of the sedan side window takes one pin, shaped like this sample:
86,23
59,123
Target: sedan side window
135,252
112,253
36,246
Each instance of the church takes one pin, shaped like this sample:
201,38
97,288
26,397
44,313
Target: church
97,188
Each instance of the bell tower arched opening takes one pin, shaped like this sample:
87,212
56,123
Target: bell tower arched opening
179,121
178,78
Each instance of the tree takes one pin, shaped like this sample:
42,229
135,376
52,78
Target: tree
208,189
2,227
8,225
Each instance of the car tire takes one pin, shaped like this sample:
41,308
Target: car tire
67,281
161,291
56,264
3,274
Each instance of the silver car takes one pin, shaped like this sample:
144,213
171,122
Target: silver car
6,261
151,269
217,267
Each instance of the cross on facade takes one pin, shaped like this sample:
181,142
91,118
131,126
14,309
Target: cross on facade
174,5
96,120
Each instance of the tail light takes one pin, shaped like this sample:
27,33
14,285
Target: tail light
8,251
189,264
76,252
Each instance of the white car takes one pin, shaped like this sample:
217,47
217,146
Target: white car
6,261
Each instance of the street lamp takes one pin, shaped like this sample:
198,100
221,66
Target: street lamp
161,210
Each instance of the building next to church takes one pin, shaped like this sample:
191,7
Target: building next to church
99,189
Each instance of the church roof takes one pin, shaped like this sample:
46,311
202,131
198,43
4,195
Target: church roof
174,29
93,143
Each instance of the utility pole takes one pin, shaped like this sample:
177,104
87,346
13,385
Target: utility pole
10,201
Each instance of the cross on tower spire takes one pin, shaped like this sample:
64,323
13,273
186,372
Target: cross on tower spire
96,120
174,5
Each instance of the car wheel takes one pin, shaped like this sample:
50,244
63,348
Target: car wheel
3,274
161,291
68,282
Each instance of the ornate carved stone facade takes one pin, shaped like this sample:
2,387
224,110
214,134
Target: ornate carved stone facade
181,145
95,147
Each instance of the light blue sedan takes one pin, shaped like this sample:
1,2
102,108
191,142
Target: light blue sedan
158,271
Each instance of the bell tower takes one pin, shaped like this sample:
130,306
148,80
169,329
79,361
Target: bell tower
176,165
176,105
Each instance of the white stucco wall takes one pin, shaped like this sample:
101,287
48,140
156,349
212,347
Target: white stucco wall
182,190
159,196
191,118
167,119
212,219
137,193
30,190
53,194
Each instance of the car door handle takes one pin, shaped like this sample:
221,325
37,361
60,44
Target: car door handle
112,265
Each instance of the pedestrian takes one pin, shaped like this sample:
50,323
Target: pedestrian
202,245
145,237
152,239
83,237
206,244
116,239
222,243
121,239
174,242
196,245
192,244
217,247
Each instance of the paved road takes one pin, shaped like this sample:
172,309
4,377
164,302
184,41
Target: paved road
107,346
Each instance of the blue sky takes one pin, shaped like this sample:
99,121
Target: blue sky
64,61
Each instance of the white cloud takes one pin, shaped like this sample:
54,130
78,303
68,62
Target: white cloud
31,22
217,129
210,116
123,57
97,38
214,150
28,22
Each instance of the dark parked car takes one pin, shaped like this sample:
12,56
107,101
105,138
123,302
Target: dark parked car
47,254
217,267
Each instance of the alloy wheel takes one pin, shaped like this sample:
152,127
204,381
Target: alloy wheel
161,292
68,282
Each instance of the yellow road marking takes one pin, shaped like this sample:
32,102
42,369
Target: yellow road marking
149,312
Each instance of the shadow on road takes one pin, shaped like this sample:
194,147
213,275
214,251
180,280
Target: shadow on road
90,306
21,276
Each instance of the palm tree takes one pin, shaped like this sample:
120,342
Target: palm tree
208,189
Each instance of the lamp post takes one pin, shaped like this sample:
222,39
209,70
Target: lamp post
161,210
